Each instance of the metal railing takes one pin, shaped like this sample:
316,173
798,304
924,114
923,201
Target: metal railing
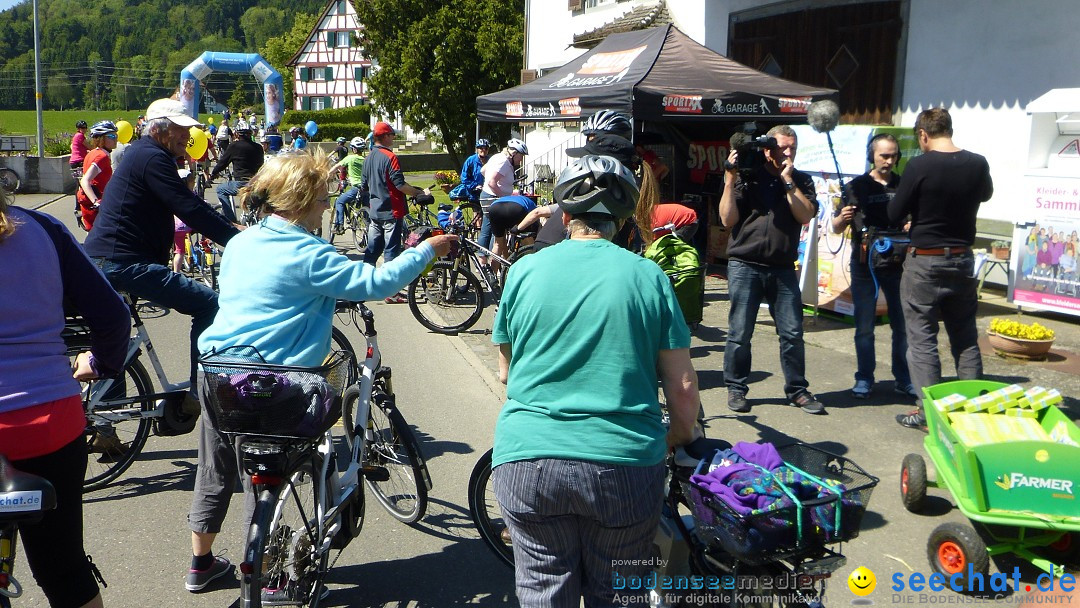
541,170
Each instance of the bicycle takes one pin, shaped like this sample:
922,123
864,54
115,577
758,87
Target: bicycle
389,443
121,411
9,179
33,496
201,260
356,222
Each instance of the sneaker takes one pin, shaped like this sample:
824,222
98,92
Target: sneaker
106,442
197,580
912,420
339,229
808,403
190,406
285,597
861,390
397,299
737,403
906,389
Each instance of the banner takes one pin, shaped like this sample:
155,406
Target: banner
1043,273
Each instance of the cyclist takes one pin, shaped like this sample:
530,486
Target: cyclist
134,228
223,137
505,213
41,416
279,284
78,146
340,152
499,174
274,141
354,164
298,141
246,157
580,444
472,174
96,172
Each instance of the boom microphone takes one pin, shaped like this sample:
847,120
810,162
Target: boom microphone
823,115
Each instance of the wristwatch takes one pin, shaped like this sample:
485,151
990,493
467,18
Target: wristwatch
789,186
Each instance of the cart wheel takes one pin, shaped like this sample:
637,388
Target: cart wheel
913,482
952,547
1065,548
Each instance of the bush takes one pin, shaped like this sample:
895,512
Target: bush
355,114
332,131
58,144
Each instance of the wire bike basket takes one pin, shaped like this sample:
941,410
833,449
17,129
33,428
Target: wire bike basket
820,500
247,396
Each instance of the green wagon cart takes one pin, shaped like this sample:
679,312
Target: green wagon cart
1025,495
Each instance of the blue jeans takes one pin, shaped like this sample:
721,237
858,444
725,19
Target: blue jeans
486,239
748,285
160,285
571,521
384,234
940,288
225,194
349,197
864,297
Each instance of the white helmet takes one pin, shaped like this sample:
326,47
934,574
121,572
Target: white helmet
242,126
358,143
518,146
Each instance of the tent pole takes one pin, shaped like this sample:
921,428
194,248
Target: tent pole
477,129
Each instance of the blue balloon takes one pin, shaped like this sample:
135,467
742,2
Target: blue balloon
311,128
300,143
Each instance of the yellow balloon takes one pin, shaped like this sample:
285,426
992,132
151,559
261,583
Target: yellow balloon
124,131
210,120
196,143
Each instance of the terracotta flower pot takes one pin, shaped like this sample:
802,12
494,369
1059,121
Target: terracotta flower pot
445,188
1002,253
1018,347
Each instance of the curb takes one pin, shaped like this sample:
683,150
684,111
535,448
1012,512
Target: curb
47,203
491,380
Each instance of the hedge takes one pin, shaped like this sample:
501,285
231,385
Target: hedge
332,131
354,114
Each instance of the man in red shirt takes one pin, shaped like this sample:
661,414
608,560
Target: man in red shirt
383,179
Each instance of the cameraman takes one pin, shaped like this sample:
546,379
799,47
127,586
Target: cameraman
869,195
765,205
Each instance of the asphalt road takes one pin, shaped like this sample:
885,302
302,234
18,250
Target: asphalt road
136,529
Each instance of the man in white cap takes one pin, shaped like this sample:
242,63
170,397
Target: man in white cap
133,233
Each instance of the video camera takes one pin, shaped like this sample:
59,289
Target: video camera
751,149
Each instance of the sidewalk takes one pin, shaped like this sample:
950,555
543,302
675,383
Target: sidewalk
37,201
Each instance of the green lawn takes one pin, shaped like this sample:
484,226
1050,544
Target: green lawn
24,122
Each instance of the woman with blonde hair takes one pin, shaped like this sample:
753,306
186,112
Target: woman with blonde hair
279,284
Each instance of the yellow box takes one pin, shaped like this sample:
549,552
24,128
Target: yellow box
951,403
1020,412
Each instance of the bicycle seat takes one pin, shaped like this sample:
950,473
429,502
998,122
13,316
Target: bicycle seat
425,200
23,497
690,454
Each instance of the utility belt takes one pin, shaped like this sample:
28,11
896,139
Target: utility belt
884,250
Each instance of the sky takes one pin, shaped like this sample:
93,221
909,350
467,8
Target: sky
5,4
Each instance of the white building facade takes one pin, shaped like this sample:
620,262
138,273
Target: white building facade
329,70
983,60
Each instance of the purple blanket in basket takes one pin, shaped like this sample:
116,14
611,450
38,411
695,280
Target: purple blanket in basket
739,481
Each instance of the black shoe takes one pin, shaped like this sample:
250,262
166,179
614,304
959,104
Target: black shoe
808,403
737,403
913,420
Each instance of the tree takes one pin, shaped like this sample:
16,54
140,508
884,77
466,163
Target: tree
59,91
436,57
280,49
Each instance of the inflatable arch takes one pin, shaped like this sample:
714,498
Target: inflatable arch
210,62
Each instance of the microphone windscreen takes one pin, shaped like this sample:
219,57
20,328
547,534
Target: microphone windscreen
738,140
823,115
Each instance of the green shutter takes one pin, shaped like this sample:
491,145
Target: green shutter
305,103
328,102
329,72
305,74
358,73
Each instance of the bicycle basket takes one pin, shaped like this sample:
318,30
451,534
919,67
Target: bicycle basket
832,494
247,396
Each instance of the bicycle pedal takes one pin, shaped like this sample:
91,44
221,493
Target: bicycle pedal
374,473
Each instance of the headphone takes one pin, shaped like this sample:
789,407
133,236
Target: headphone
877,138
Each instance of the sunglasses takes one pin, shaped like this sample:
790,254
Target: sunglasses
111,135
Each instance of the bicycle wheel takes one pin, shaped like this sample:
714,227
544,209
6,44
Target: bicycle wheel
358,224
485,512
284,542
9,180
352,390
116,429
446,300
517,255
392,445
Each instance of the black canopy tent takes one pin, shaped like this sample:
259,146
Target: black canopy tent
652,74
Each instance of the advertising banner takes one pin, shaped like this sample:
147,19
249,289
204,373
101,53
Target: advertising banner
1044,251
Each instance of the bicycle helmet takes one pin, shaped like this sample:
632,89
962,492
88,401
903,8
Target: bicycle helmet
340,140
518,146
483,143
242,127
294,130
608,121
103,127
597,185
358,143
80,124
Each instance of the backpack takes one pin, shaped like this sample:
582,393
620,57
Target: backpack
681,263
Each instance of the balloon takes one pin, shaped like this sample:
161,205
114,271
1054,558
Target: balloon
124,131
210,120
196,143
300,143
311,128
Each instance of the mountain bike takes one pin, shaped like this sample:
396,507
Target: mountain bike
356,223
389,442
26,498
121,411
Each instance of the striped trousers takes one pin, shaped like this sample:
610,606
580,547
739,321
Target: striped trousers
576,526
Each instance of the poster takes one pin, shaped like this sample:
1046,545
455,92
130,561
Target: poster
1043,265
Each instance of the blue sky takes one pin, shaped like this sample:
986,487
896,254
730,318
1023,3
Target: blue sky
8,3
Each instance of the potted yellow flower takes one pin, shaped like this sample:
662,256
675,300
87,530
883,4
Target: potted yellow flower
447,179
1012,338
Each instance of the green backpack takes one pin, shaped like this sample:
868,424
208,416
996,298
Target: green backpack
681,263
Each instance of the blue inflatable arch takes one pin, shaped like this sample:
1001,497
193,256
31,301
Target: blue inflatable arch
253,63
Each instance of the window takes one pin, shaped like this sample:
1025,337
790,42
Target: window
595,3
318,103
344,39
359,101
360,73
341,7
318,74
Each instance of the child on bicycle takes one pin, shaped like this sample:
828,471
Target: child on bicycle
279,284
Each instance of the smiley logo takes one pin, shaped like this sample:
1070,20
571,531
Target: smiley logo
862,581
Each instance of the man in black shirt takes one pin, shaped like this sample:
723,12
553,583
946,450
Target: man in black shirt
766,212
246,157
867,213
942,190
